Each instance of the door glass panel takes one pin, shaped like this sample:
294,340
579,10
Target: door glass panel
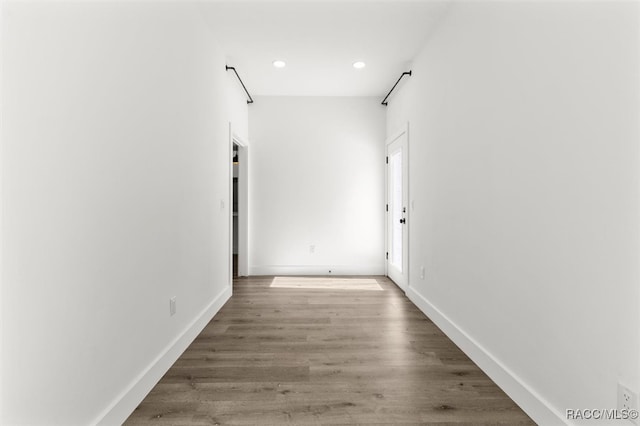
396,209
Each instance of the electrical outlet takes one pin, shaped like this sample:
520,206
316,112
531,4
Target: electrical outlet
422,272
312,248
627,400
172,306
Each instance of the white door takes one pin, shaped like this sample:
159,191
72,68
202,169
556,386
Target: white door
397,212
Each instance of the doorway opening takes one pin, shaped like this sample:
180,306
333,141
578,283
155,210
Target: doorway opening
239,224
234,227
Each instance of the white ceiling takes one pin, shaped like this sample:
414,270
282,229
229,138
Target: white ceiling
319,41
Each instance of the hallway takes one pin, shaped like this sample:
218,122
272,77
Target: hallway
323,351
516,124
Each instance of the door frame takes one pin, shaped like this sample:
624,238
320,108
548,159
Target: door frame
243,204
403,131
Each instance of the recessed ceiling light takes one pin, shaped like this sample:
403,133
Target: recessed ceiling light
279,64
359,65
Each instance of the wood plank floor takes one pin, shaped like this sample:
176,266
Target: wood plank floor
334,354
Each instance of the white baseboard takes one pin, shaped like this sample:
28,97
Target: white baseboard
125,403
532,403
317,270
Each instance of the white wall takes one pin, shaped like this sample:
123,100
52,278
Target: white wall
115,160
238,108
525,177
316,178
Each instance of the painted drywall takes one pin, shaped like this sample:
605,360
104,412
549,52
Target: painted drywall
238,109
115,173
525,181
316,179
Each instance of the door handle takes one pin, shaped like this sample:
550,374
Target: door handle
403,221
